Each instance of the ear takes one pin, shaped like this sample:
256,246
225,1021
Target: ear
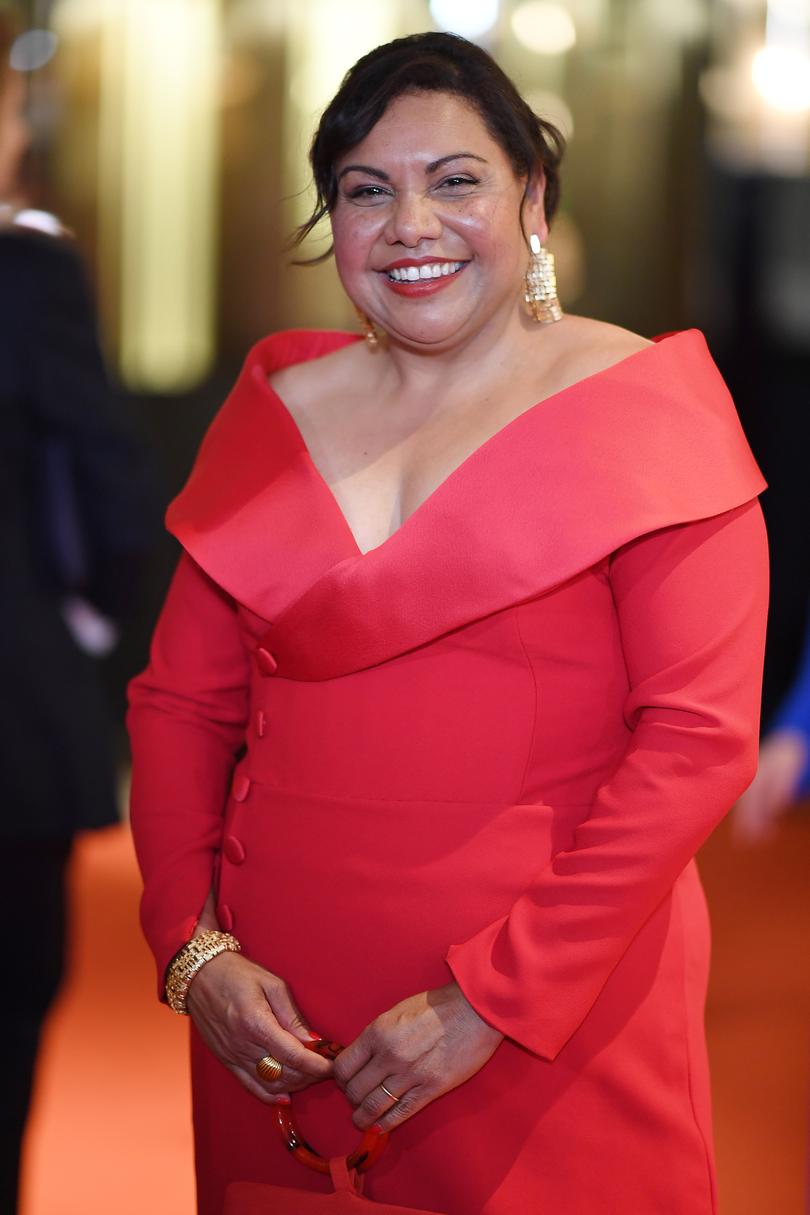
534,211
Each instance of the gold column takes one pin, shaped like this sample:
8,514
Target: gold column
158,180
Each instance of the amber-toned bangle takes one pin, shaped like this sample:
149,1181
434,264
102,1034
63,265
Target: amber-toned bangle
190,961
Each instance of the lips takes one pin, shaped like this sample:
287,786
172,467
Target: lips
410,277
412,272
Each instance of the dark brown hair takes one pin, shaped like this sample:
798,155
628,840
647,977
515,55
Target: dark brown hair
430,63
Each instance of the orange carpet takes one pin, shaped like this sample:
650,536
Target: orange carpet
111,1126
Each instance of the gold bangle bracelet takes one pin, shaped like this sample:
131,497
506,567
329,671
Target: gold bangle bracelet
190,961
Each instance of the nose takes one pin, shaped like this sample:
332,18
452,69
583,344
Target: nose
412,219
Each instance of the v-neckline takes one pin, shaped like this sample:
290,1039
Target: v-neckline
262,371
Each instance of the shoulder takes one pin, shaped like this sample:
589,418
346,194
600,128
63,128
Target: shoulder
32,258
320,370
587,346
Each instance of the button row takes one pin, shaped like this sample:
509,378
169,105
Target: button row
240,786
232,848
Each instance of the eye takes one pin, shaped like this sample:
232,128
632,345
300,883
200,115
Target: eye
458,182
367,194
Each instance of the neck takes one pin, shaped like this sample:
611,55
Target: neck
504,346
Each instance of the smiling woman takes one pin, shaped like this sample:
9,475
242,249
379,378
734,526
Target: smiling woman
460,666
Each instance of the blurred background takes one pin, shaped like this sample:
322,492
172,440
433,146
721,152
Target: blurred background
170,137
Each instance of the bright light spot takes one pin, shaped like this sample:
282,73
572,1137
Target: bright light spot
33,50
782,77
551,106
727,93
78,18
797,12
470,18
544,27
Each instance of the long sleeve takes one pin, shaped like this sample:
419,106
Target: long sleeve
81,420
691,602
186,720
794,712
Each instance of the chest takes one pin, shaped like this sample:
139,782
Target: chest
382,462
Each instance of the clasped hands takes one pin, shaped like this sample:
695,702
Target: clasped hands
422,1047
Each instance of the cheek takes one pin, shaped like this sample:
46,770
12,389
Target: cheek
354,234
493,234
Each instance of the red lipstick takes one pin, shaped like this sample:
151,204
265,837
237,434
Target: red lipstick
422,286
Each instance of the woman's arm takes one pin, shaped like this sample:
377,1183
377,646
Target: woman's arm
187,717
691,602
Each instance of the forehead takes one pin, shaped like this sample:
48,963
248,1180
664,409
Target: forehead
422,127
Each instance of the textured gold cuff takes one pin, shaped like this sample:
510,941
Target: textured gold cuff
190,960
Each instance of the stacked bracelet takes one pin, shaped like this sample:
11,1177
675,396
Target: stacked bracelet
190,961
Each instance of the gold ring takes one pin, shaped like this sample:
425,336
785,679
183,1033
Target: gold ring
388,1093
268,1068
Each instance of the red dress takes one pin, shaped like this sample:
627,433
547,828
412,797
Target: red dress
489,747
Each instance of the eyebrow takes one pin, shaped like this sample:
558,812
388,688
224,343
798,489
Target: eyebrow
431,168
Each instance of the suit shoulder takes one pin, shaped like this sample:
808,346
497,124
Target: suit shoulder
34,254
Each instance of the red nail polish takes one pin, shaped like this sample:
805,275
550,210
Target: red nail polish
377,1129
282,1099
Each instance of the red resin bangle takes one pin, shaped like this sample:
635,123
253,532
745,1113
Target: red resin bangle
370,1148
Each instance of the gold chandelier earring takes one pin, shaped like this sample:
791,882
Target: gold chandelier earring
369,332
541,284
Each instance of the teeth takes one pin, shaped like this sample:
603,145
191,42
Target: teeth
413,274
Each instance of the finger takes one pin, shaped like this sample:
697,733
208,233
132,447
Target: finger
288,1080
284,1049
351,1060
379,1110
363,1083
254,1086
287,1012
266,1037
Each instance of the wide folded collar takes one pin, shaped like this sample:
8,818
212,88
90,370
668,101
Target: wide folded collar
647,443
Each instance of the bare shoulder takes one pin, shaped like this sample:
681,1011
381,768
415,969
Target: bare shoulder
303,384
588,346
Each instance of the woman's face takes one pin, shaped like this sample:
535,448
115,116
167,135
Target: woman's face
429,192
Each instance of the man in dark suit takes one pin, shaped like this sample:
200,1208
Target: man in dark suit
76,516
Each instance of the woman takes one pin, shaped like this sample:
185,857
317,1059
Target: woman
62,431
478,606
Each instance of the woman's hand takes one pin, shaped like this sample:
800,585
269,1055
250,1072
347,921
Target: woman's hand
782,758
419,1049
244,1012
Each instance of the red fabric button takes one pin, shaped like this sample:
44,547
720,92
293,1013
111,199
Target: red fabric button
225,917
234,849
261,723
240,787
265,661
